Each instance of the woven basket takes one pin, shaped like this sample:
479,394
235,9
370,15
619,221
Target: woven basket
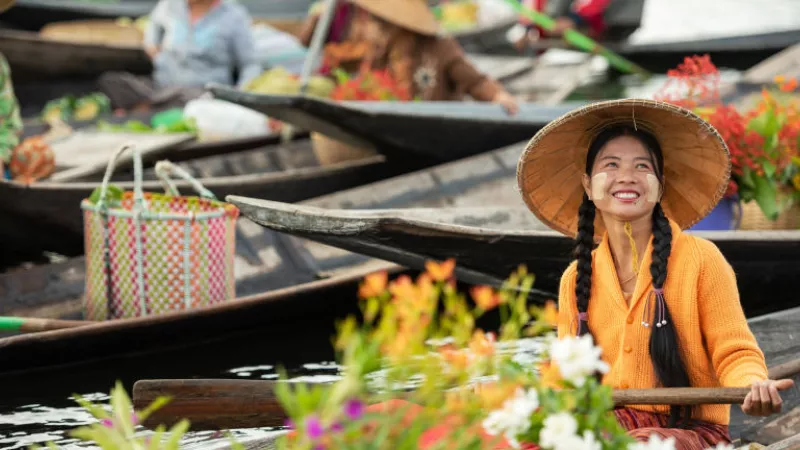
754,219
329,151
107,32
153,253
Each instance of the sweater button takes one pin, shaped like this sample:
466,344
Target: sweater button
628,349
630,320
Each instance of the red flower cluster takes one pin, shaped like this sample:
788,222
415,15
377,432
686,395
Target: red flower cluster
766,136
376,85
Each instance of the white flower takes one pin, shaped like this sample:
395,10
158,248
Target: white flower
654,443
557,427
576,443
577,358
721,446
514,417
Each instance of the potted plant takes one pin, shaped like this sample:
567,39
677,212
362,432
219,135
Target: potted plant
763,142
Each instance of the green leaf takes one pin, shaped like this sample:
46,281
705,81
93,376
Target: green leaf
766,196
769,169
766,124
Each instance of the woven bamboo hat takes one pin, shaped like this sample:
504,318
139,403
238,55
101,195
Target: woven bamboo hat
696,161
414,15
5,4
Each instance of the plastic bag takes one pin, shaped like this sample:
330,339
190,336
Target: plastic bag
218,119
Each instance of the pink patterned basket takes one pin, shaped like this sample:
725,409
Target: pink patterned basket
150,253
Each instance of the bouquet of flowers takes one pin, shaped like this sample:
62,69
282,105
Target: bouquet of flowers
366,85
763,141
418,373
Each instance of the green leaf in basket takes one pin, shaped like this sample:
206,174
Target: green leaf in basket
766,195
114,194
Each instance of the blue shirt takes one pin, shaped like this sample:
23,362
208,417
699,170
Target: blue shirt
209,50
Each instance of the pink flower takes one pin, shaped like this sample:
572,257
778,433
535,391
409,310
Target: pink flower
354,408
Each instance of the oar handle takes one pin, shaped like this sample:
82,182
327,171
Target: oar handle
31,324
222,404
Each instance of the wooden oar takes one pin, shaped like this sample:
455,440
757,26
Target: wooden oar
579,40
213,404
32,324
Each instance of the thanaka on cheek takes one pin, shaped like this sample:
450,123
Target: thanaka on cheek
653,188
599,186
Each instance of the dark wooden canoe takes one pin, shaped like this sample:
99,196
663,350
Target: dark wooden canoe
120,339
470,210
57,59
442,131
46,216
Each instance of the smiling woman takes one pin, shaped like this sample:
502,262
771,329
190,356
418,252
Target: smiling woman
650,170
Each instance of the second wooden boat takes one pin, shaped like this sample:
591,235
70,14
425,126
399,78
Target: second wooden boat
46,216
440,131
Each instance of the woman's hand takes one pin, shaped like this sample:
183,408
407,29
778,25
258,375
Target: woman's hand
764,398
507,101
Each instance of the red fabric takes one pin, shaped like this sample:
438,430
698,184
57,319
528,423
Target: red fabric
640,425
592,12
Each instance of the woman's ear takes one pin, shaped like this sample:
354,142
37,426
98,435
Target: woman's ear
587,185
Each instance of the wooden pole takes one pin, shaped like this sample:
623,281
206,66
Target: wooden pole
212,404
32,324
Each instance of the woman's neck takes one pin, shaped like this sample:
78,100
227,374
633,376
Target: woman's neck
620,243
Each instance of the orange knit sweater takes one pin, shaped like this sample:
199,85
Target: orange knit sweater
715,341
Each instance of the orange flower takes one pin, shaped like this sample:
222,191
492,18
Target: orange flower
440,271
482,343
402,288
789,86
550,313
492,395
550,374
374,284
456,358
485,297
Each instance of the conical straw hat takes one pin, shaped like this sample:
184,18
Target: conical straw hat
5,4
414,15
696,161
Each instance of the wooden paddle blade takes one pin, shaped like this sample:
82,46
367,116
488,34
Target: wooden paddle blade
680,396
211,404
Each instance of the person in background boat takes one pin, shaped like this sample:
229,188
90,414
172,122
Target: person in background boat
662,304
344,33
191,43
402,38
10,121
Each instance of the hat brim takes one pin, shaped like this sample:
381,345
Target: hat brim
696,161
413,15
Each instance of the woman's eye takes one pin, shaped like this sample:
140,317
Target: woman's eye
643,166
611,164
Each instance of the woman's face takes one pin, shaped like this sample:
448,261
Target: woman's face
623,182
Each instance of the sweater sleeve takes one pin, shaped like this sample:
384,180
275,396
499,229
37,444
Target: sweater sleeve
464,75
734,352
567,312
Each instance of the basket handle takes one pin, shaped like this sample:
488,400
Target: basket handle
138,195
166,168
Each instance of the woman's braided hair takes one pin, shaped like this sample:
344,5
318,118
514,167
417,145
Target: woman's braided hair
665,355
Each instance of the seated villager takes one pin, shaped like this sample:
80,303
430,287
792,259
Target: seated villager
401,36
191,43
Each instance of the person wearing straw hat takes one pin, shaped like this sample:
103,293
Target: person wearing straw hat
10,120
631,175
403,37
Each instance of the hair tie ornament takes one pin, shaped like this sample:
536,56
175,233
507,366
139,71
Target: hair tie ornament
660,309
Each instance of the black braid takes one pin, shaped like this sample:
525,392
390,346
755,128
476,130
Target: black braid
664,349
584,243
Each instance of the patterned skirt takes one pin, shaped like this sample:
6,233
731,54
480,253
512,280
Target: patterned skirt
699,436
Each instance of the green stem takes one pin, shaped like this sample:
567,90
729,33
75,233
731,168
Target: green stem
579,40
11,323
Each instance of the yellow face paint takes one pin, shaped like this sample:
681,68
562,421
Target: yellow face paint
599,186
653,188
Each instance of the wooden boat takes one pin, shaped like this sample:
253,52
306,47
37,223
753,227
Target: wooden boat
408,220
433,130
298,299
46,216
